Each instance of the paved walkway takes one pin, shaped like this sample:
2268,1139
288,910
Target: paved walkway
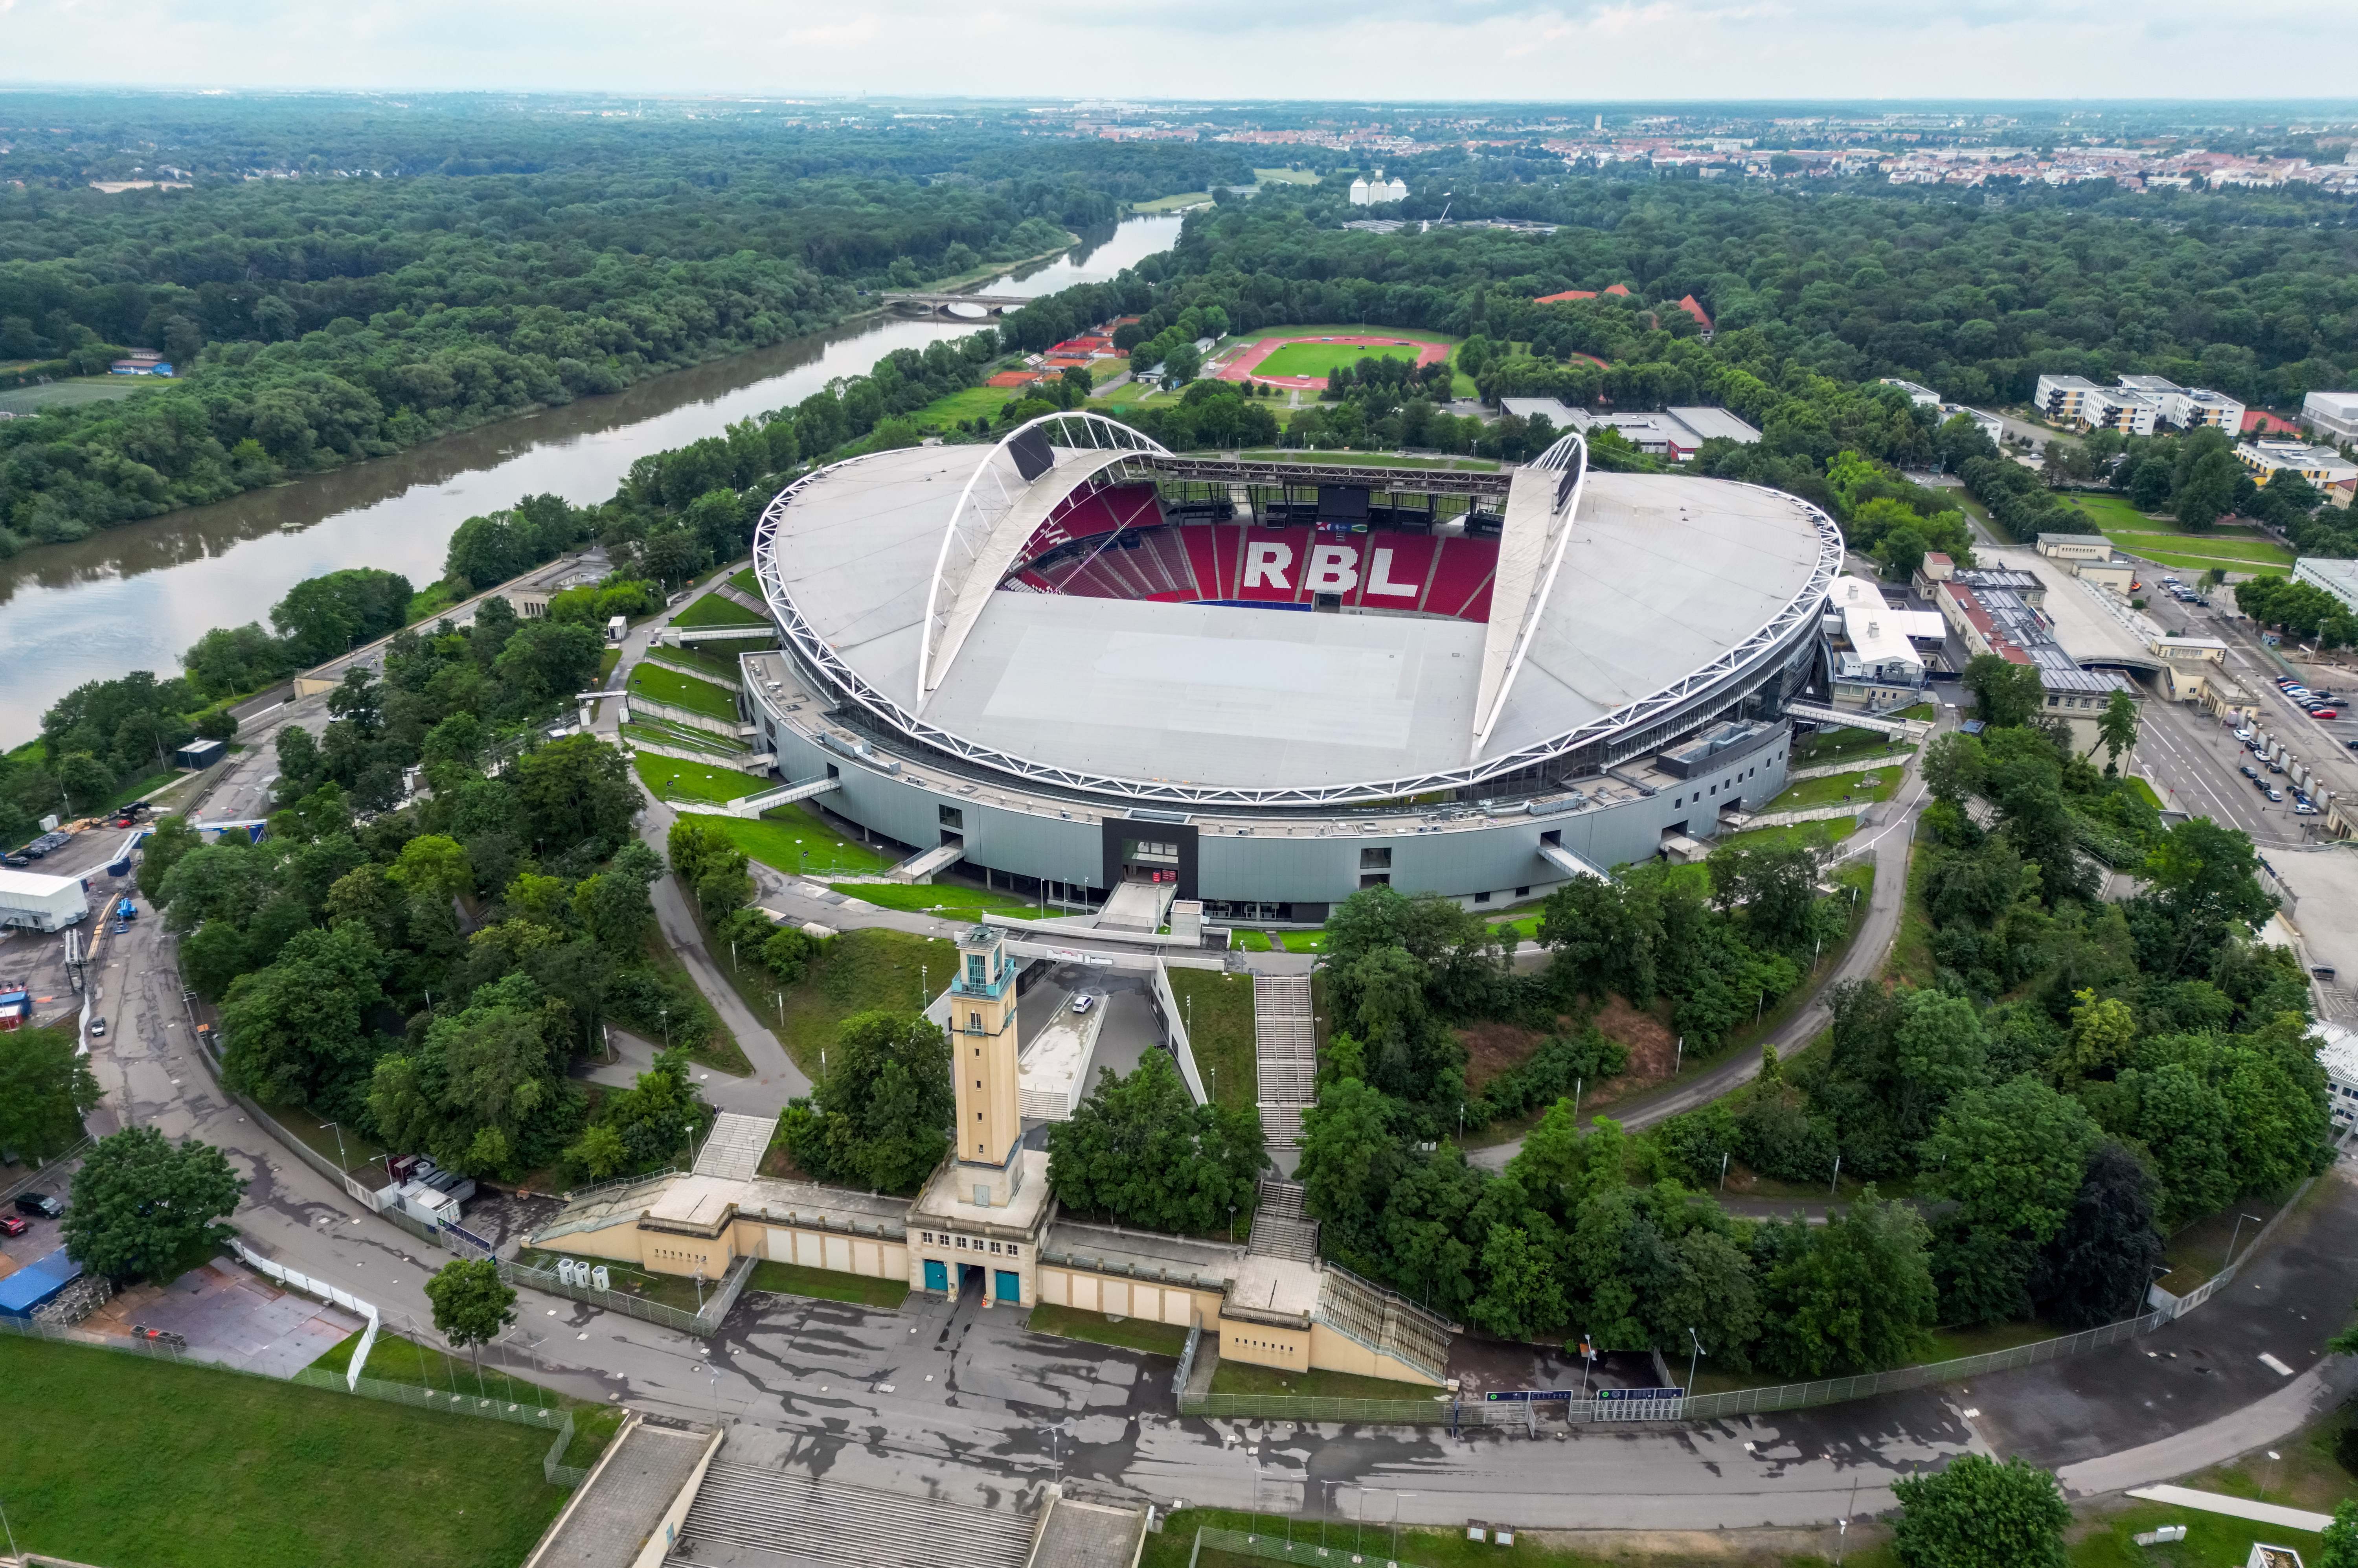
2234,1508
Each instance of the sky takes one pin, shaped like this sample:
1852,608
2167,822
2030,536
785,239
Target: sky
1376,50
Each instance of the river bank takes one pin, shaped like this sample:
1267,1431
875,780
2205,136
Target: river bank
136,596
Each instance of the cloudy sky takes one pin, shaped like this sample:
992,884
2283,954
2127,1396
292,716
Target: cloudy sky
1580,51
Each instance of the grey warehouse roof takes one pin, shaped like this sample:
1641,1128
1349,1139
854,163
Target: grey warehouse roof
1660,576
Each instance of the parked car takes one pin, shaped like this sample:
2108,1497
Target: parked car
2325,713
98,1028
2203,602
2250,772
2274,794
2351,744
2276,767
16,857
11,1225
40,1206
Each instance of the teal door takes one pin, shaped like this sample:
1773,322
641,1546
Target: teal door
1009,1286
937,1275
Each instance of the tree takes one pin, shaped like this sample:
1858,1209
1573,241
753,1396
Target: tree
1140,1150
2096,1269
1525,1295
45,1091
2341,1536
1978,1513
2116,730
613,904
146,1208
577,791
435,868
301,1026
472,1303
1856,1293
882,1116
1775,886
2005,693
172,839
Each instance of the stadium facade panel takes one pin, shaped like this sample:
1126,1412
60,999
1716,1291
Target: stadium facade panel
1084,660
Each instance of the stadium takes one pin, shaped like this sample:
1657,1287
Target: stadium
1075,662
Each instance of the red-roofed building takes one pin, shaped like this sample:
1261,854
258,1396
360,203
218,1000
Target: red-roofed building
1693,307
1620,289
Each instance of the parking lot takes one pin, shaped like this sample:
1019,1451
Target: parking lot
227,1314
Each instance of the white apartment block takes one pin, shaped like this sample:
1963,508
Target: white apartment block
2134,407
2332,415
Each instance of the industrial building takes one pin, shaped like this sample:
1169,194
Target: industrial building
35,903
2331,415
1675,433
1079,663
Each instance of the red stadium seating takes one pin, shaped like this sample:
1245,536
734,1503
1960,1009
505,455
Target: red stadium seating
1181,563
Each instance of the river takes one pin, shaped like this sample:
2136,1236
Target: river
136,597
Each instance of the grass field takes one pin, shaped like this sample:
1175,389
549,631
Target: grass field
1461,385
663,685
1839,786
1172,203
2162,540
68,394
859,971
714,665
1284,177
779,837
1218,1009
951,901
958,407
1320,359
203,1468
714,611
1832,831
827,1285
1129,1332
674,778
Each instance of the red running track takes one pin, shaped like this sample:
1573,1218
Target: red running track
1240,367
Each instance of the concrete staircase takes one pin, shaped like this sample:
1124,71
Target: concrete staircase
1285,1055
792,1519
734,1147
1137,906
1280,1227
921,866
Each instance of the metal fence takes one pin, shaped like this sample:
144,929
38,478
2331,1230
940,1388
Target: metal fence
704,1324
1283,1548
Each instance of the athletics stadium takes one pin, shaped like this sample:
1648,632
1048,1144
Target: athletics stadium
1076,662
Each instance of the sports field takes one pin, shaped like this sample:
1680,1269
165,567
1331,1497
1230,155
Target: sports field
65,394
2162,541
1318,358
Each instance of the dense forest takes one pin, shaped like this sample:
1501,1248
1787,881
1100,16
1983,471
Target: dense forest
312,322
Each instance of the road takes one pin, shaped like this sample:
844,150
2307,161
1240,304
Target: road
1887,836
957,1400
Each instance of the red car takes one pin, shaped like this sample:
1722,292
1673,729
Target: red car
11,1225
2325,713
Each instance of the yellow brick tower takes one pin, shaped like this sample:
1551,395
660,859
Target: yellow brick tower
982,1054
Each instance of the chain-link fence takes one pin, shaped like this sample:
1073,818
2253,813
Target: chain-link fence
1736,1401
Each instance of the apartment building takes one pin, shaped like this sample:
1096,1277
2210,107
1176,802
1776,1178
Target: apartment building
2324,466
2135,405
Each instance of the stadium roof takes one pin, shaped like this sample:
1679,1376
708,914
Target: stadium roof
1621,601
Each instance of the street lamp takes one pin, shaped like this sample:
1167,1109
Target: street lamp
1690,1360
2238,1231
341,1163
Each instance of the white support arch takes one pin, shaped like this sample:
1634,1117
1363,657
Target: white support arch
1542,485
992,499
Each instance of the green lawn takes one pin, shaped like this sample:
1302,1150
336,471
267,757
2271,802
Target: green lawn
859,971
960,408
653,681
434,600
1835,787
1832,831
1912,949
951,901
75,390
1243,1378
1322,359
395,1359
712,610
1129,1332
1218,1010
1284,177
2145,790
720,1050
1840,745
746,582
699,740
203,1468
827,1285
2162,540
714,666
779,837
1172,203
676,778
